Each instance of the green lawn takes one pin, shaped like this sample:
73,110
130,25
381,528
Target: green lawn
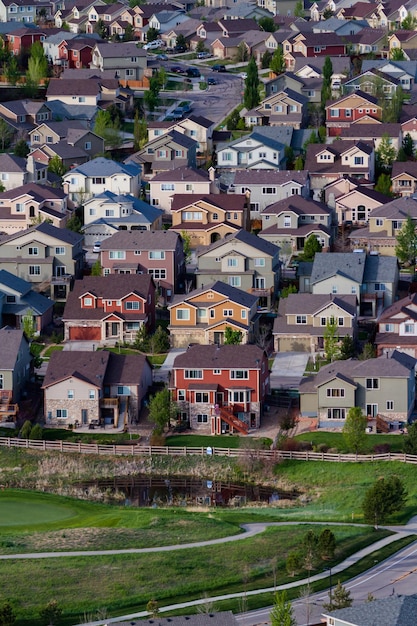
56,348
337,442
203,441
34,510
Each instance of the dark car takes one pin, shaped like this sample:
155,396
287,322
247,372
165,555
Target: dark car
177,69
180,49
193,72
219,68
211,81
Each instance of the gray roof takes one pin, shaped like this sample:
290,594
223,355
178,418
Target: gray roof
106,167
390,611
142,240
61,234
183,173
380,269
232,293
225,356
399,208
350,264
14,282
225,618
310,303
408,67
275,177
143,212
10,340
119,50
11,163
72,111
248,238
88,366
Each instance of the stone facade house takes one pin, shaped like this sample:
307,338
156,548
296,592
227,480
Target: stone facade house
221,389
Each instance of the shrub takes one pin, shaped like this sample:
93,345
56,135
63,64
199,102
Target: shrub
382,448
322,447
290,445
25,430
157,439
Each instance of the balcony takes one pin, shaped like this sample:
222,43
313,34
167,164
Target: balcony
64,279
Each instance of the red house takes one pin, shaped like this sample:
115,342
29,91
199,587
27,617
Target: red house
23,38
109,308
315,44
348,109
221,389
80,52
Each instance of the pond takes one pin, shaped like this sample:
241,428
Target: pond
155,491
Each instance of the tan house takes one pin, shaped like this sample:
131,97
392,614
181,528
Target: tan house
181,180
402,39
73,132
285,108
397,328
210,217
15,371
302,320
95,389
356,205
404,178
203,315
20,207
197,127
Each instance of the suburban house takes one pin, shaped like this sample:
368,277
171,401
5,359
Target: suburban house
356,106
397,328
374,82
210,217
95,388
159,253
310,44
23,38
25,114
109,309
383,387
284,108
44,255
26,11
308,87
221,389
100,175
72,132
258,150
106,14
289,222
360,131
314,69
202,315
404,71
245,261
108,212
167,152
372,278
19,302
17,171
262,186
353,202
404,178
197,127
384,224
127,62
15,371
22,206
327,163
302,319
402,39
181,180
400,609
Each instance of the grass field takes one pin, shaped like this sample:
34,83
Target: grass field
337,442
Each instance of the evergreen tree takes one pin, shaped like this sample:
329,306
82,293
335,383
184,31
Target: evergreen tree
282,612
299,163
278,62
12,71
36,432
354,432
410,440
326,88
25,430
406,248
129,34
347,348
293,563
251,97
232,337
409,22
51,613
383,184
368,352
386,153
7,615
140,131
299,9
339,598
6,134
385,497
21,149
74,223
152,34
327,544
37,65
408,146
267,24
311,246
159,341
266,60
96,270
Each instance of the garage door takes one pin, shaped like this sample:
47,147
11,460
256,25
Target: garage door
82,333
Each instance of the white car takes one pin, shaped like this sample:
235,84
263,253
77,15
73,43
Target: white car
97,246
153,45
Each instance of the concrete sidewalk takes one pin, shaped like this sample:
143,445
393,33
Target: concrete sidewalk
161,374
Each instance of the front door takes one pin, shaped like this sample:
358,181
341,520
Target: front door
218,338
84,416
114,329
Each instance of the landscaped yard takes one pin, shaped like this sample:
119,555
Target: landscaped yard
336,441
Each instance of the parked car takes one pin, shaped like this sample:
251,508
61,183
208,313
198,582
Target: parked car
219,68
97,246
162,57
180,49
203,55
153,45
177,69
193,72
211,81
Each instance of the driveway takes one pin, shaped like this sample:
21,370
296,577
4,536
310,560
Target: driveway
161,375
288,369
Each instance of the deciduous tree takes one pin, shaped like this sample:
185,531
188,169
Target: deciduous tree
311,246
386,153
51,613
406,248
267,24
410,440
331,341
21,149
347,348
161,410
7,615
232,337
354,432
278,62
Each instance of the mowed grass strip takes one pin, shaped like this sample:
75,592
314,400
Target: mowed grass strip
122,583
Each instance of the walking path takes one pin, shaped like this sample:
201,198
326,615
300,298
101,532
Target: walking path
250,530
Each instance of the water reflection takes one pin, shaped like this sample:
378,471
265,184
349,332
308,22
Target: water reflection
154,491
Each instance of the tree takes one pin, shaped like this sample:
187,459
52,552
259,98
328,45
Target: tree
101,29
409,22
37,65
25,430
267,24
385,497
368,352
96,270
56,166
326,544
51,613
339,598
159,341
7,615
152,34
266,60
383,184
233,120
251,96
36,432
21,149
397,54
278,62
326,88
141,339
310,550
311,246
331,341
299,163
140,131
285,291
242,53
107,128
299,9
232,337
74,223
200,47
293,563
186,245
12,71
181,41
129,34
6,134
408,145
410,440
153,608
406,248
354,432
282,611
151,96
386,153
29,325
347,348
161,410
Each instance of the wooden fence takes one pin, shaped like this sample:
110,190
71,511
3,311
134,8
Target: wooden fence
139,450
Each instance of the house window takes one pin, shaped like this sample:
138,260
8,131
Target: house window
215,217
348,112
227,313
239,374
323,321
409,329
372,383
217,372
87,145
59,250
98,180
49,139
226,156
156,254
158,274
193,374
61,413
183,314
117,254
301,319
1,381
353,290
334,112
33,251
379,286
232,262
109,212
397,225
36,138
34,270
243,314
11,299
239,396
129,73
389,328
358,160
192,216
92,394
334,288
136,252
287,221
70,394
19,207
167,187
88,301
235,281
390,405
335,393
340,321
336,414
181,395
201,397
132,306
269,190
202,418
259,262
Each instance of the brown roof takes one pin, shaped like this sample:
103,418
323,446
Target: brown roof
299,205
219,357
141,240
126,369
227,202
88,366
182,174
408,167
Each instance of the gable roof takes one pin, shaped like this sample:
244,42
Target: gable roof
225,356
348,264
390,611
183,173
298,204
247,238
62,234
10,341
276,177
142,240
12,164
87,366
105,167
232,293
226,202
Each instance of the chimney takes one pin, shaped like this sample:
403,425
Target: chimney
211,172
